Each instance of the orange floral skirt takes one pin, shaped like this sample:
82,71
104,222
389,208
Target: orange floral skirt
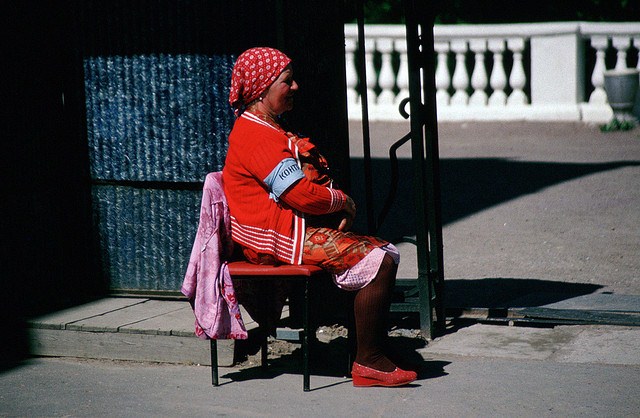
337,251
333,250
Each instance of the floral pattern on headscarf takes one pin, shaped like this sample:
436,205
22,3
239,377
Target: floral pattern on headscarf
254,71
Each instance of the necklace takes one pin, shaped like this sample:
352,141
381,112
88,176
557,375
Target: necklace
267,118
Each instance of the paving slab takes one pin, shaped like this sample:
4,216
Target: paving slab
126,346
178,322
100,307
126,316
160,317
137,329
124,329
502,342
602,345
572,343
611,302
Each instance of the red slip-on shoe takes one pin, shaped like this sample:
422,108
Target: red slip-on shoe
365,376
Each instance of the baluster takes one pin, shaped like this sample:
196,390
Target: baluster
460,74
351,73
599,96
403,71
369,46
621,44
498,78
517,78
479,79
386,79
443,78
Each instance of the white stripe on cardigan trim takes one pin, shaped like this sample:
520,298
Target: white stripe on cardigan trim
288,249
256,231
250,116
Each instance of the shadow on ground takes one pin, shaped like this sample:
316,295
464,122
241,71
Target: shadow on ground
332,359
469,186
502,292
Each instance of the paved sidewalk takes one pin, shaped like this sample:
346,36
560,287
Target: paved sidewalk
536,216
450,386
546,203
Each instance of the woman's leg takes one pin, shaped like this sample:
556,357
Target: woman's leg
336,251
371,310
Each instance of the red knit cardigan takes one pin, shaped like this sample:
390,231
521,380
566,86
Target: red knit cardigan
258,221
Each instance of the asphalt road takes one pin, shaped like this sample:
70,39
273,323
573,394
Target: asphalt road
549,203
456,387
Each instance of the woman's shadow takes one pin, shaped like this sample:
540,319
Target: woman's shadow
333,358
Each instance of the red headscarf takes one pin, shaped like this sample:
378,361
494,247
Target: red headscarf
254,71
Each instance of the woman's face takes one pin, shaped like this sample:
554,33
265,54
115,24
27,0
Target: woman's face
279,96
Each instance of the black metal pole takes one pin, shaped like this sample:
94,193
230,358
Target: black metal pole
214,362
432,169
366,141
417,156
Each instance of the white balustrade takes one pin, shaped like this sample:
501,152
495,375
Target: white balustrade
351,75
371,78
479,79
387,78
443,79
517,78
460,79
480,70
598,96
636,43
402,81
498,78
621,44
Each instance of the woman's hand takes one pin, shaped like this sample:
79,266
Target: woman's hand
349,213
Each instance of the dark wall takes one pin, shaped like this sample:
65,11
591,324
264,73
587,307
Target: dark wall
51,253
46,230
314,36
156,85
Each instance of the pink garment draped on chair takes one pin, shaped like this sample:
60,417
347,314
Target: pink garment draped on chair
207,282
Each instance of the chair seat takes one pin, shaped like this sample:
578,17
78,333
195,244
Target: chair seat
244,268
241,270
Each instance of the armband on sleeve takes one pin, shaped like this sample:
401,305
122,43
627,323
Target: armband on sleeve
282,177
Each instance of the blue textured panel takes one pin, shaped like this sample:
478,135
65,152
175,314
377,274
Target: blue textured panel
153,118
157,117
146,235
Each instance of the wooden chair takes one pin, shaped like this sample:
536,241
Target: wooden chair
243,270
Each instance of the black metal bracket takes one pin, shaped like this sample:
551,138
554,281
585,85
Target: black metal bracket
427,294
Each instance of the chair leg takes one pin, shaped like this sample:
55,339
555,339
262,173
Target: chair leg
351,332
305,339
266,302
264,351
214,363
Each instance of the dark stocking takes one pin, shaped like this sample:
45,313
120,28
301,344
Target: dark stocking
371,310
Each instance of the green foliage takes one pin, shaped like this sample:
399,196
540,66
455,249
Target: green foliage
504,11
386,11
618,125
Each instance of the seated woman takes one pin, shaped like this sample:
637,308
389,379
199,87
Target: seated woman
274,181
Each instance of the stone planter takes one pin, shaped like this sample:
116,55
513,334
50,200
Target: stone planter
621,87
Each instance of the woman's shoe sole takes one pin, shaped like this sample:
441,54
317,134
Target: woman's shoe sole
363,382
